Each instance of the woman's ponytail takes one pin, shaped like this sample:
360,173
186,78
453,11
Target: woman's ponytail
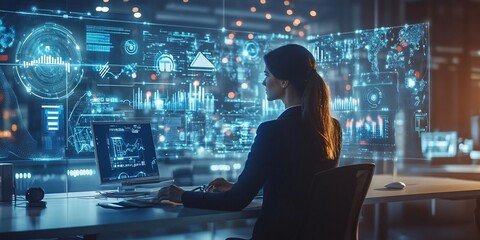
316,112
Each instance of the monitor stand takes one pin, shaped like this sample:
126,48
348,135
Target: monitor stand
146,185
126,188
130,189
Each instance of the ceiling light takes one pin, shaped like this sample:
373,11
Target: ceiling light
137,15
289,12
238,23
313,13
301,34
288,29
296,22
253,9
106,1
286,3
135,9
263,1
250,36
268,16
102,9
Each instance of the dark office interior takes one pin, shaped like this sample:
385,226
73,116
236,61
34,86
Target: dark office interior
437,133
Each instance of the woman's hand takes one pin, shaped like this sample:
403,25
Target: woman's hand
219,185
171,193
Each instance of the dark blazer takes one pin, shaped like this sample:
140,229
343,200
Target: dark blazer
283,158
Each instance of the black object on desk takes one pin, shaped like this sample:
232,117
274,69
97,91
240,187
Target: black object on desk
34,197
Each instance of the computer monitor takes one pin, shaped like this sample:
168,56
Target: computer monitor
125,153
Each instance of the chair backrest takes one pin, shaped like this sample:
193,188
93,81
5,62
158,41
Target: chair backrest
336,199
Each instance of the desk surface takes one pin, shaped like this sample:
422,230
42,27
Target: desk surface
420,188
81,216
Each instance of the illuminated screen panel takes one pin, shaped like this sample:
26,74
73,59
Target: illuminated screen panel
200,88
124,152
380,85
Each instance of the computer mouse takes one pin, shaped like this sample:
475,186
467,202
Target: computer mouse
395,185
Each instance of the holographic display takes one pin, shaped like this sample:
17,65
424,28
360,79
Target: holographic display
439,144
380,85
201,89
48,62
53,133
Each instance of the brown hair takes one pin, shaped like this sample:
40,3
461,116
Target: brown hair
296,64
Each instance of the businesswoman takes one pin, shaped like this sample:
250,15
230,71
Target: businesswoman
286,152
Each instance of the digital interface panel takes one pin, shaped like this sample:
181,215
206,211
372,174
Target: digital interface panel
200,88
124,151
380,86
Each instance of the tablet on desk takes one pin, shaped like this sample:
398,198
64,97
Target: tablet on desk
111,205
129,203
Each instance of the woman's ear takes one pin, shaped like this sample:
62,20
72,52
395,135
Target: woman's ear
285,83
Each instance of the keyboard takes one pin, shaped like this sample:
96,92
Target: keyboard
123,194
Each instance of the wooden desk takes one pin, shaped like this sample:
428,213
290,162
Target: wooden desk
77,215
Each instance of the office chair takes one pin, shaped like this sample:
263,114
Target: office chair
336,199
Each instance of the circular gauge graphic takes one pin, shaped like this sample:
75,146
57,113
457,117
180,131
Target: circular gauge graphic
374,97
164,63
251,49
130,47
123,175
48,62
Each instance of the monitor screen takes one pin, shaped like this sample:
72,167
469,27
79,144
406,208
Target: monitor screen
124,152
